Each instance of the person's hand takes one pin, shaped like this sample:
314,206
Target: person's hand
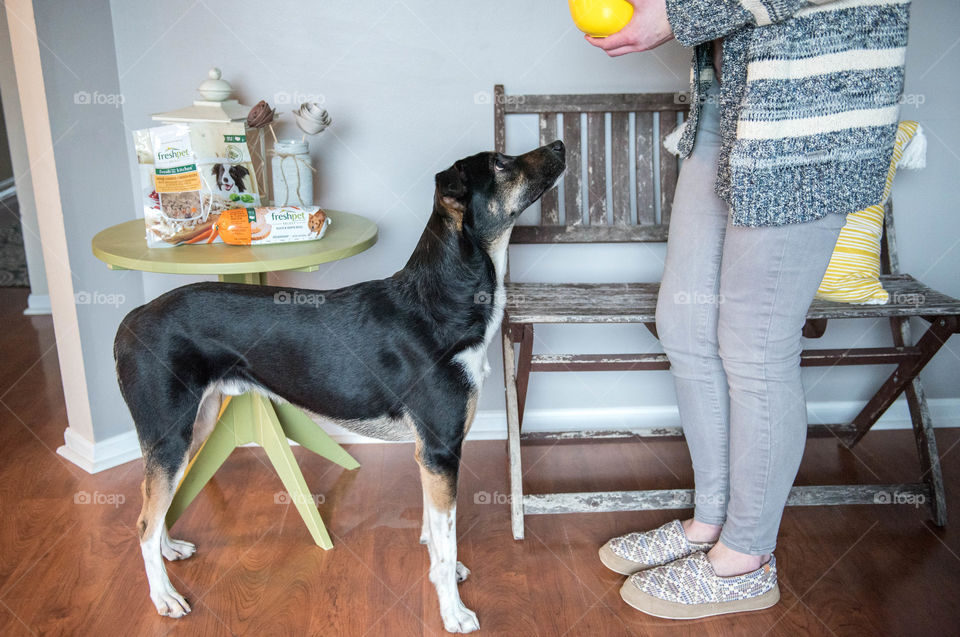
648,29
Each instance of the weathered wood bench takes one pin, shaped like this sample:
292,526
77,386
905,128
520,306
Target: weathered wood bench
588,217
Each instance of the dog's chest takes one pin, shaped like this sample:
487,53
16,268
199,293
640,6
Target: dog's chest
474,360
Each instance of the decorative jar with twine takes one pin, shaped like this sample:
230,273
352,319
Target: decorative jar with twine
292,173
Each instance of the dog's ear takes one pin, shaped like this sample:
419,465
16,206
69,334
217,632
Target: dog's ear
216,170
239,172
450,183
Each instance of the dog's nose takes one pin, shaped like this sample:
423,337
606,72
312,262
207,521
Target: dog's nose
556,146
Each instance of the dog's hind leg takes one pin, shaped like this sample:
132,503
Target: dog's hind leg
440,493
202,427
158,488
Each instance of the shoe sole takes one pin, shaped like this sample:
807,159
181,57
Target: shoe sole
618,564
674,610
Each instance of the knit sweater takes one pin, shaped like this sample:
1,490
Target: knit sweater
809,100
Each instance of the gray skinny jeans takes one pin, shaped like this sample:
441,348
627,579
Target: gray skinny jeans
732,303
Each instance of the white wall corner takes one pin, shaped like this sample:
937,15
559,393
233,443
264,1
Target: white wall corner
38,305
94,457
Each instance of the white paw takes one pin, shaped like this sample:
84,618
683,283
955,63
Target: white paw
462,572
177,549
461,620
423,538
170,603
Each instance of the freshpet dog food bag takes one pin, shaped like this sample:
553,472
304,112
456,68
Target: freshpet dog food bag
189,174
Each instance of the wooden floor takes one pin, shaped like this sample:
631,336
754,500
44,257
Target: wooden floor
74,568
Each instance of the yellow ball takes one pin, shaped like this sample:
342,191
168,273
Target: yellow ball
600,18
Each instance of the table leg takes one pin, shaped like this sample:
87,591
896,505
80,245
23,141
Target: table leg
254,418
299,428
275,443
212,454
252,278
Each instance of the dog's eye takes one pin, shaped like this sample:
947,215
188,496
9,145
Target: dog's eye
499,165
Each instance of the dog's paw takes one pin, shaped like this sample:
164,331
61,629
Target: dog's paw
170,603
177,549
423,538
462,572
461,620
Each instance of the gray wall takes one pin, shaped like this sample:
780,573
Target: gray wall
407,84
79,59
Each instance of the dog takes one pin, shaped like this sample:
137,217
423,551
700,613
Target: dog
401,358
230,179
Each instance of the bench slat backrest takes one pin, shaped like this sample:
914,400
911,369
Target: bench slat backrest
588,215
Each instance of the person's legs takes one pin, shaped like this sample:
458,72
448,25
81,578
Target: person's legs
687,323
768,279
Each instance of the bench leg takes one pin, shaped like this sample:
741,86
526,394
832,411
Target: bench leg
523,368
929,344
513,434
930,470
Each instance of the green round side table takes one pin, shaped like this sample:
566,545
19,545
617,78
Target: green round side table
250,417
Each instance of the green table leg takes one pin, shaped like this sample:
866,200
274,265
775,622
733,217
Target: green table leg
254,418
252,278
303,431
275,443
214,452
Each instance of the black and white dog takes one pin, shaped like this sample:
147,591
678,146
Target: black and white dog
401,358
230,178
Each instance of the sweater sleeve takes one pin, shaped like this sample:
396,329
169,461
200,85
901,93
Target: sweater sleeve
698,21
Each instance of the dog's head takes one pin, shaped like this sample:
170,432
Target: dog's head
487,192
230,179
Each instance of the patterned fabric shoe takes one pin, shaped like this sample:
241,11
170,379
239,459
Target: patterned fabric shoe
635,552
689,589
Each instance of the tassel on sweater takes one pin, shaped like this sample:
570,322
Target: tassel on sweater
914,156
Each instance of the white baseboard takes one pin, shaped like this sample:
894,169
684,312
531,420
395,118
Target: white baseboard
492,425
93,457
38,305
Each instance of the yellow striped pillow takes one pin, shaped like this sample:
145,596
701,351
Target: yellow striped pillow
854,270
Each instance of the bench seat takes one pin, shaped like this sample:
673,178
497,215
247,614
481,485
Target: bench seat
637,302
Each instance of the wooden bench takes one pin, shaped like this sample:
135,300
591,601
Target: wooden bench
588,217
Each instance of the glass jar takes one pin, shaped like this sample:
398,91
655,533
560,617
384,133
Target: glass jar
292,173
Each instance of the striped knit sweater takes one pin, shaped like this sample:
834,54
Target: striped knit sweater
809,100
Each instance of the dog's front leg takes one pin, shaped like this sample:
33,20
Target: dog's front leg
440,519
